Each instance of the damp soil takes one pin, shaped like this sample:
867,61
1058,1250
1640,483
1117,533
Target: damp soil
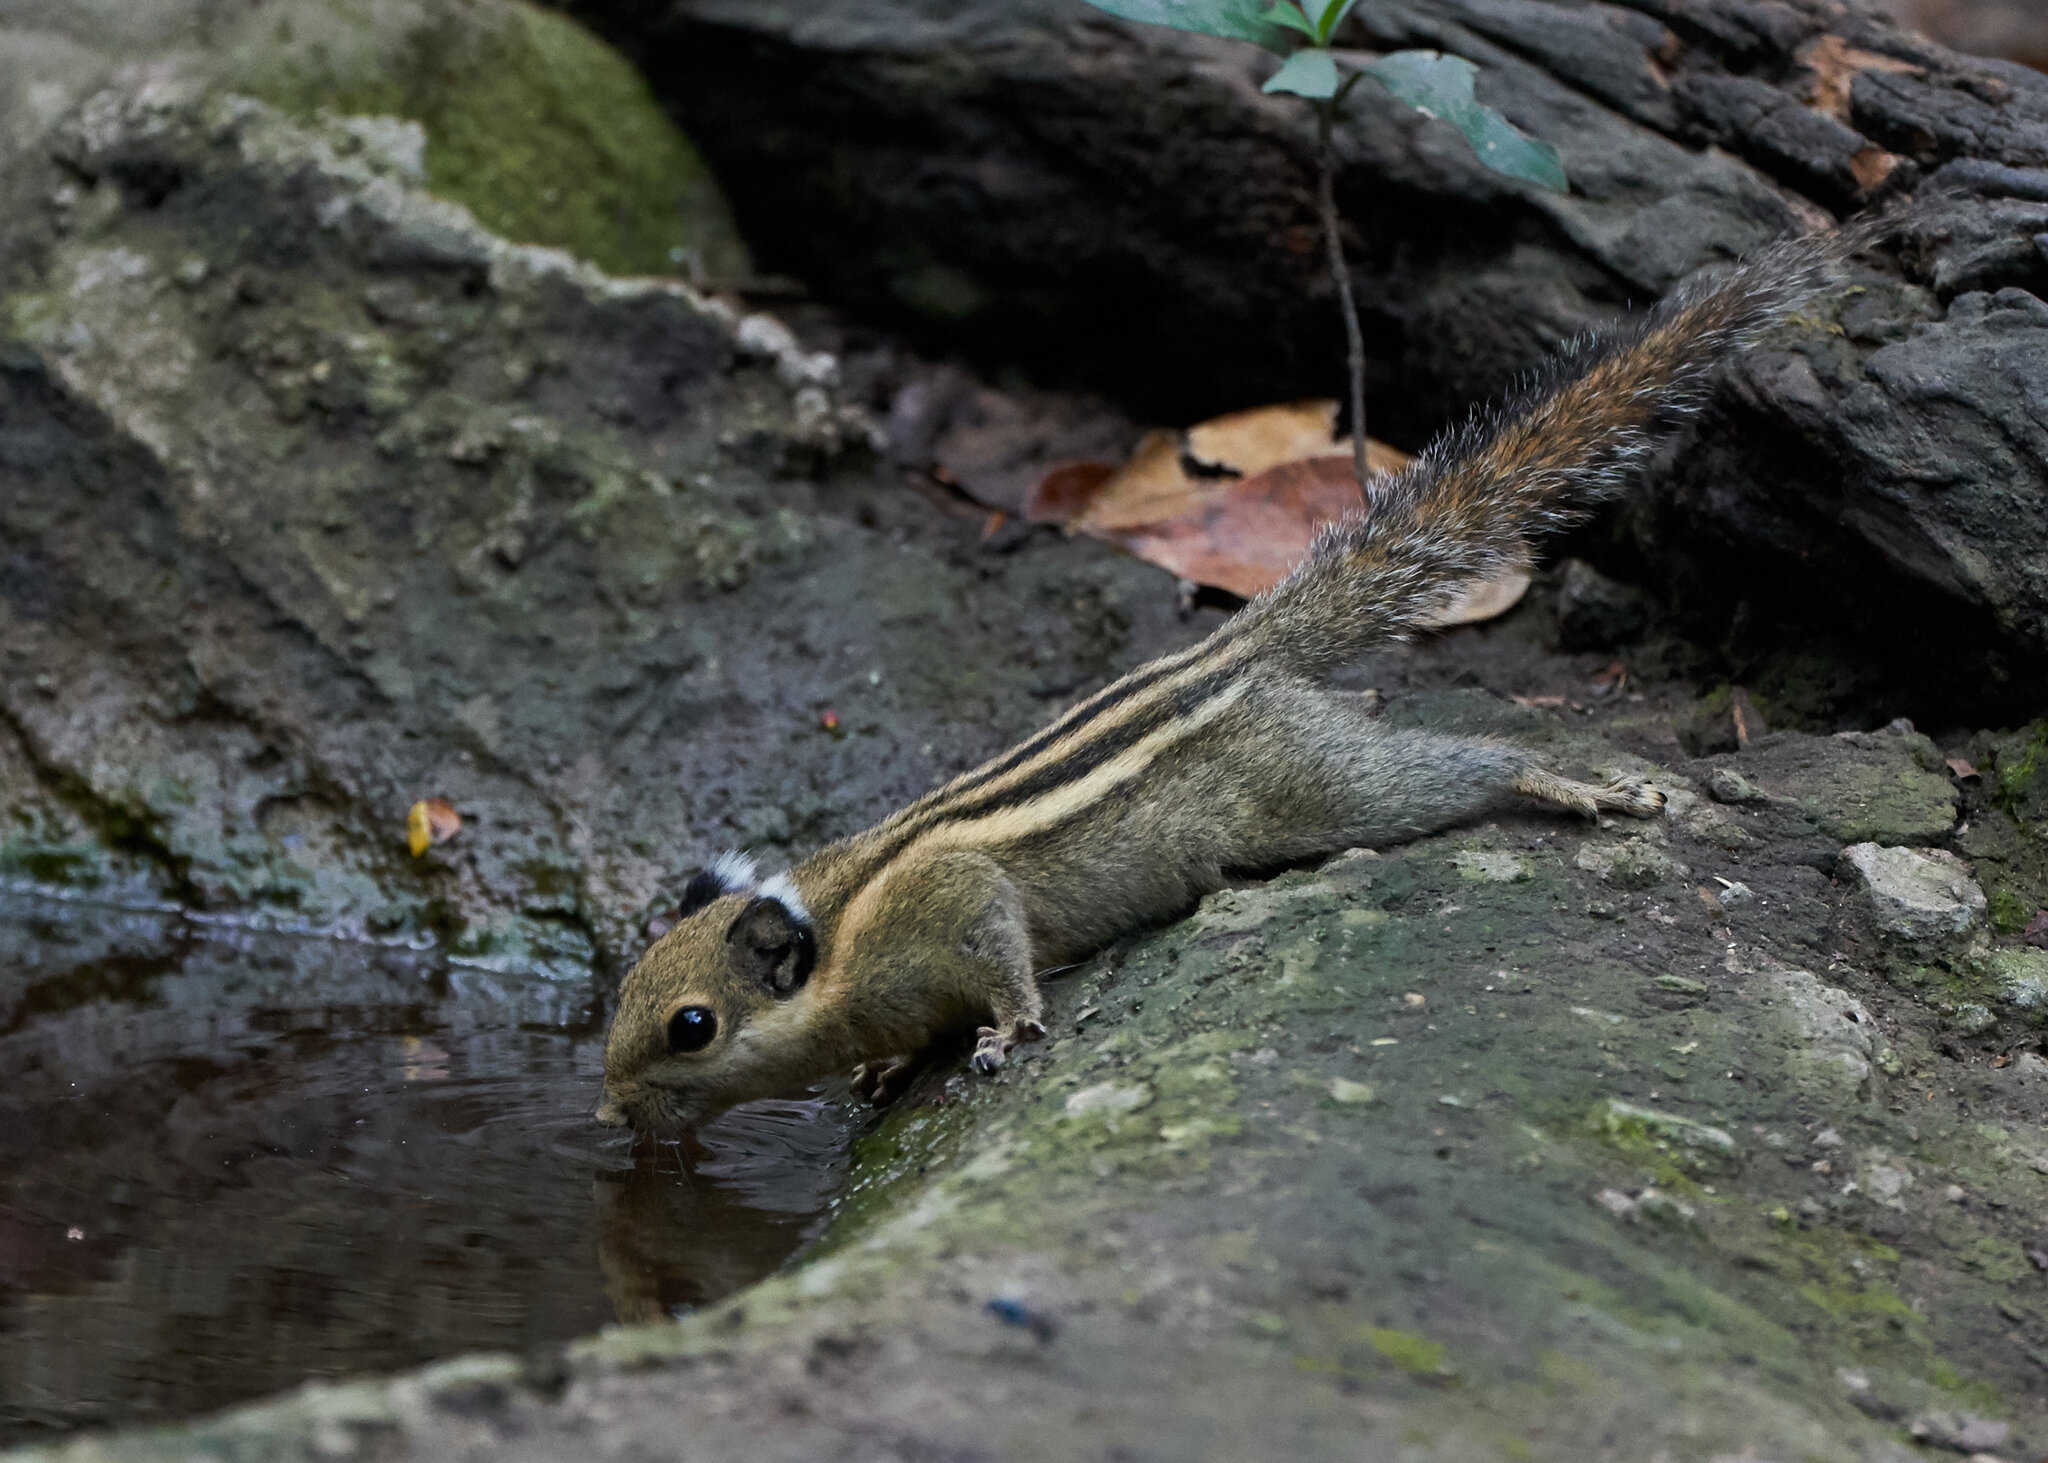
230,1163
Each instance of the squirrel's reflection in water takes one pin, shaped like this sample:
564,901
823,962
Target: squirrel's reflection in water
691,1221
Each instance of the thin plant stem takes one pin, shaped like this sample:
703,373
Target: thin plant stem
1326,205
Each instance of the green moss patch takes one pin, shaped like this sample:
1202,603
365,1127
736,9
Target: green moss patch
2021,788
540,129
1406,1350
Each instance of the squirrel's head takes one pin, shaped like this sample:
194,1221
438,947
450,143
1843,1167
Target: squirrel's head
707,1019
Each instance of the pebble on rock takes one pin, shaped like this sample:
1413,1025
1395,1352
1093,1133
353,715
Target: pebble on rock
1725,785
1916,893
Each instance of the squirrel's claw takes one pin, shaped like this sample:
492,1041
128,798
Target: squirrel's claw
882,1082
1633,795
994,1046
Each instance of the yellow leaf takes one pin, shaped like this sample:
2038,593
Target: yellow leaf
431,821
1245,442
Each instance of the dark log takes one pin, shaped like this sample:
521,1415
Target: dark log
1034,185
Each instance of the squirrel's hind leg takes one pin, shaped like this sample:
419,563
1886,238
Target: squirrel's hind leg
1626,794
1391,783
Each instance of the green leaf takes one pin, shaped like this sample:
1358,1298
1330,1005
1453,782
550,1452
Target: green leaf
1440,86
1506,149
1309,72
1333,13
1290,16
1237,20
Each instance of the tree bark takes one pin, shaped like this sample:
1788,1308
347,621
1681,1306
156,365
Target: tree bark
1111,207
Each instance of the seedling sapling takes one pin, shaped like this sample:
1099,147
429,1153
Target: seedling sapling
1432,83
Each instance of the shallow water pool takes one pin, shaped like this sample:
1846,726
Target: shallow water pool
230,1163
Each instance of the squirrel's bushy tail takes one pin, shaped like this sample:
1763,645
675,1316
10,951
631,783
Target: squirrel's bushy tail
1468,504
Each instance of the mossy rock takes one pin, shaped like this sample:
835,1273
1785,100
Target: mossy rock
2020,781
2008,840
2012,865
1888,787
540,129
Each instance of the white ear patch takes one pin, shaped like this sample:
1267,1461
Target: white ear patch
782,889
734,871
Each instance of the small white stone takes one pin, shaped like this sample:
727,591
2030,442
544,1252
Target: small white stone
1917,893
1494,866
1615,1202
1108,1097
2022,976
1968,1018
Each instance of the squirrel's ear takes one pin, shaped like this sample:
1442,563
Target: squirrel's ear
773,947
703,888
729,873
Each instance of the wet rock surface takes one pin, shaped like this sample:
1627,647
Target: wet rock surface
984,175
320,500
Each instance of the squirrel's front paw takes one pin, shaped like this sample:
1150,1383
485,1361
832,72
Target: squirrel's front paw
882,1082
995,1045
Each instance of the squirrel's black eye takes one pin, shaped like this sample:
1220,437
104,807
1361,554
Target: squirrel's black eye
691,1029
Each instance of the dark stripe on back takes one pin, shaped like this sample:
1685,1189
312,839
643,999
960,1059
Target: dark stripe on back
1112,695
1096,750
870,851
1105,700
1084,758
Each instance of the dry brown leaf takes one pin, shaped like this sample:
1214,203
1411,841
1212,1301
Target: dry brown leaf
993,445
1835,64
1262,483
1484,600
1245,442
1151,487
1379,457
1750,725
1248,537
1871,165
1065,491
431,821
1155,485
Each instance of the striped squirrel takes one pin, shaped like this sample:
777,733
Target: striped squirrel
1229,757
